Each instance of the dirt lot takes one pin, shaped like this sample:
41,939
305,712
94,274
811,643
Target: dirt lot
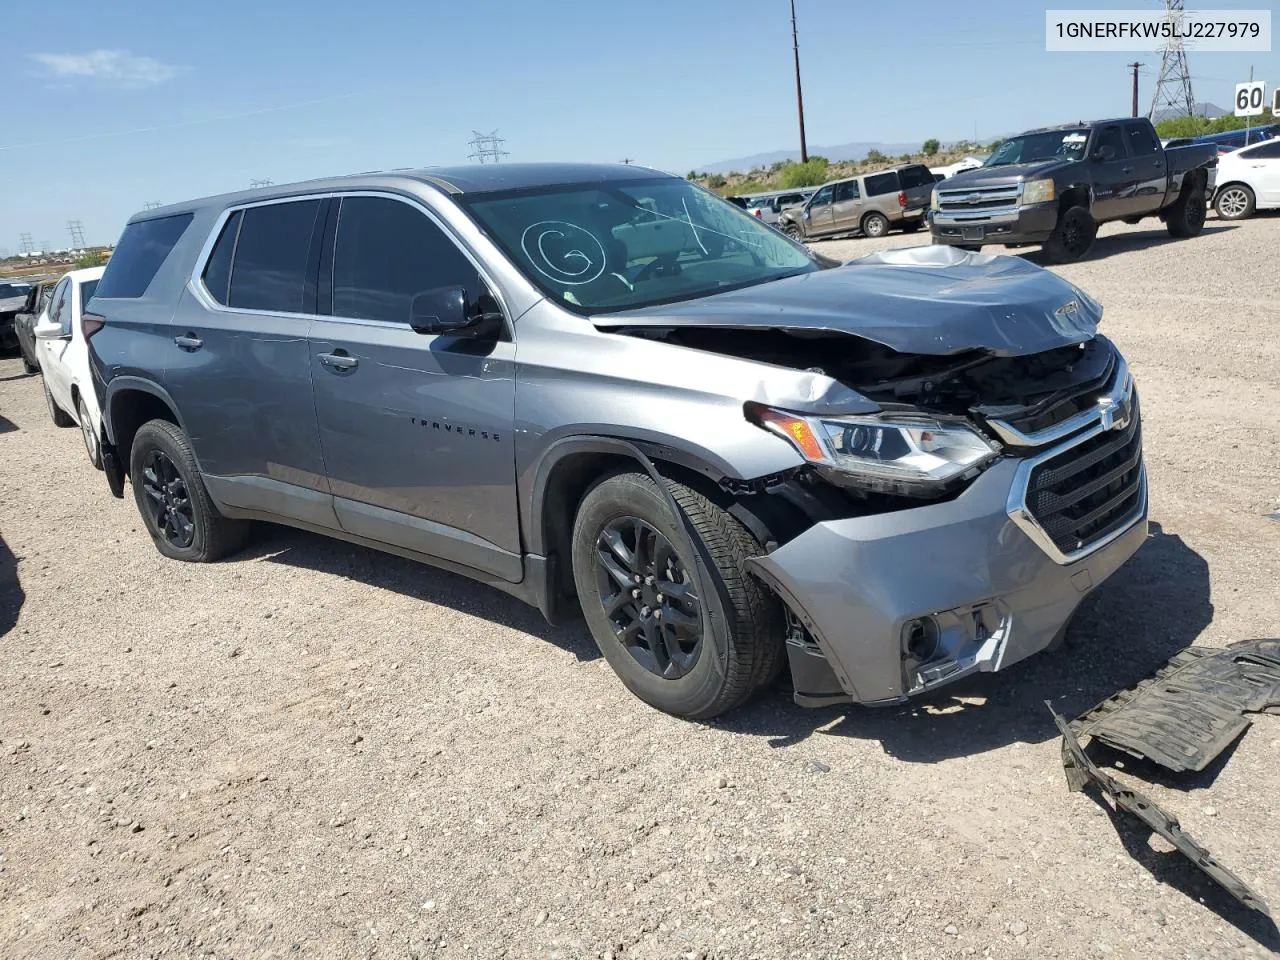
316,750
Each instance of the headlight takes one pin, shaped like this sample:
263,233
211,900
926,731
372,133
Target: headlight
933,199
1037,191
916,457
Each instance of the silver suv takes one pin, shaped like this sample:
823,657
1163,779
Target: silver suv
870,204
601,388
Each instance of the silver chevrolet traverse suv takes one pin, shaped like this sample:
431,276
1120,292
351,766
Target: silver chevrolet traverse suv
603,388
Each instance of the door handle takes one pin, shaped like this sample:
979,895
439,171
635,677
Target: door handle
189,342
338,361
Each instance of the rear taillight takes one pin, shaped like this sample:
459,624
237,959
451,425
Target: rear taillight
902,198
759,215
91,323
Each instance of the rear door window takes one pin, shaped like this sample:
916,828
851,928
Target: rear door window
272,254
138,256
1142,140
847,191
879,184
386,253
217,272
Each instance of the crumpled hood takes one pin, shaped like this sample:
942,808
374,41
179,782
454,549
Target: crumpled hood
1005,173
931,300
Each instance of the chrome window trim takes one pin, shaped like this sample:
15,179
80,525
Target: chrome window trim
207,300
1021,515
1118,395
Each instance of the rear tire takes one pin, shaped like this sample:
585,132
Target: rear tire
1073,237
59,416
1235,202
875,225
739,646
911,226
92,442
1186,216
172,499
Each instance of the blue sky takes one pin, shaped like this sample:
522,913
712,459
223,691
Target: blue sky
119,104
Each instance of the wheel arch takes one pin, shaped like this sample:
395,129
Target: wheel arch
131,402
572,466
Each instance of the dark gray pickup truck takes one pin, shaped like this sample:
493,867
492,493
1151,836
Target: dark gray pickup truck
1055,185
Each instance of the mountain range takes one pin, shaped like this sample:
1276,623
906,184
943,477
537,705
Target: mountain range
842,151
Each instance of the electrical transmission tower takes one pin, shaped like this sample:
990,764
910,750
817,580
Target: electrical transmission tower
24,241
76,229
486,147
255,184
46,246
1173,89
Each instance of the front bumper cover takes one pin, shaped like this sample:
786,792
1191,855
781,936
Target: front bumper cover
995,595
1029,223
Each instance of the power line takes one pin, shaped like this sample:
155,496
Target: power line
76,229
486,147
1173,89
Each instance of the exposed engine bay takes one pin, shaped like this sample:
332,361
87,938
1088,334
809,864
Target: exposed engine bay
1016,388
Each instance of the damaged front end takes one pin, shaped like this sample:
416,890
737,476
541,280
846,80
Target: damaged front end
972,461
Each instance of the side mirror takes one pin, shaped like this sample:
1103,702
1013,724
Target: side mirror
49,331
1103,153
444,311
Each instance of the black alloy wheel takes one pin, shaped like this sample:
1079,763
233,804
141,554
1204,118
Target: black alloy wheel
649,597
168,499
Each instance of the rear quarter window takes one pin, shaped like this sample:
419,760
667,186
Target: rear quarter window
882,183
915,177
138,256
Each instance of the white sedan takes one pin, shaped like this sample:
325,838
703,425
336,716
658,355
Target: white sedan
1248,180
63,354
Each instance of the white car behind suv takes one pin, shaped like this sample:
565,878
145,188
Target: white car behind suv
1248,180
63,355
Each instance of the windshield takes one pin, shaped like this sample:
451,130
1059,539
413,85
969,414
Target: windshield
9,290
1032,147
627,244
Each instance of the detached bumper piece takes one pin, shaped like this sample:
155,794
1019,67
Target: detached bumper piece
1193,708
1082,771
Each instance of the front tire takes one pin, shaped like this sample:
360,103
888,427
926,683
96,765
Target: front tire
59,416
691,639
1235,202
794,232
1186,217
92,444
172,499
1073,237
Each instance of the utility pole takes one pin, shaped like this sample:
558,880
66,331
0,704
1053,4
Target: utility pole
1135,67
795,48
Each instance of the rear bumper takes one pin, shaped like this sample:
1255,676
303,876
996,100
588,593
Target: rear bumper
994,594
1030,223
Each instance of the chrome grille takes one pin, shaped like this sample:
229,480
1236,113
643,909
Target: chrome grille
978,202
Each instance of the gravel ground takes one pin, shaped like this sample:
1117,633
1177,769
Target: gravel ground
316,750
